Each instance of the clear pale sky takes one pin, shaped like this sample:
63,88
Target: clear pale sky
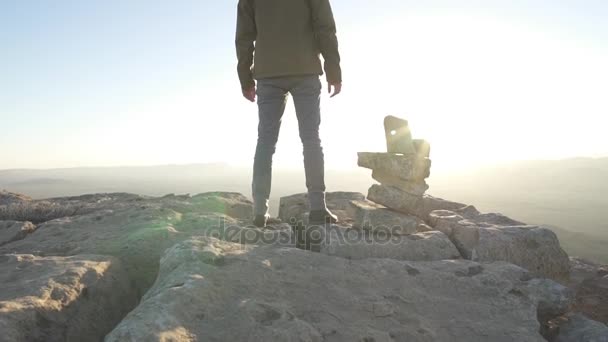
144,82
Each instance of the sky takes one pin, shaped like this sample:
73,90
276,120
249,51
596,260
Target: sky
149,82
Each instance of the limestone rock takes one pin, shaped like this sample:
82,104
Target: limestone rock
136,230
355,245
398,136
420,206
77,298
534,248
405,167
12,231
413,187
209,290
447,221
77,274
371,216
579,328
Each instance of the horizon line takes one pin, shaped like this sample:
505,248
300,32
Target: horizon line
235,165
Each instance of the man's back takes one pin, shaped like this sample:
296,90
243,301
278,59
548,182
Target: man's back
285,39
289,35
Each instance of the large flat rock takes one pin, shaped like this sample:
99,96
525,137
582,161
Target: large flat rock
370,216
50,299
134,229
209,290
408,203
483,237
405,167
417,188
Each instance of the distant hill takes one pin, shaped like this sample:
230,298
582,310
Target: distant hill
568,195
588,246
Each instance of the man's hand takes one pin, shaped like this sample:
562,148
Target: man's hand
337,88
249,94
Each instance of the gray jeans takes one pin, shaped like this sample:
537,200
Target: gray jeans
272,98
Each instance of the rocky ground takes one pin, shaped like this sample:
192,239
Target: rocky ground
122,267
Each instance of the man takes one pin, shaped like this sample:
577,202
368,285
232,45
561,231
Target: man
278,43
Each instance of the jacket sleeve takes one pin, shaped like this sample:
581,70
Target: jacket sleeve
246,34
325,32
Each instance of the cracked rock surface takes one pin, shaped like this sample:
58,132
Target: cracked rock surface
210,290
124,267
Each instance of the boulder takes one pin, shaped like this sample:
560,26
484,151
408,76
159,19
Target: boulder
399,200
417,188
352,244
78,298
209,290
579,328
534,248
12,231
404,167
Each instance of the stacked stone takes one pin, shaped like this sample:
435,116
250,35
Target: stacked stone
401,171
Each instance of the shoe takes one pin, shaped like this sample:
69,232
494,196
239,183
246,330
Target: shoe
322,217
260,221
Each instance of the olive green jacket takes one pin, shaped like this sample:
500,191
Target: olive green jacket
285,38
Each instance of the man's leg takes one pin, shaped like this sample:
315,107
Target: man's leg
306,94
272,97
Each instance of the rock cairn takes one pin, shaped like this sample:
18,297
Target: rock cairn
401,170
